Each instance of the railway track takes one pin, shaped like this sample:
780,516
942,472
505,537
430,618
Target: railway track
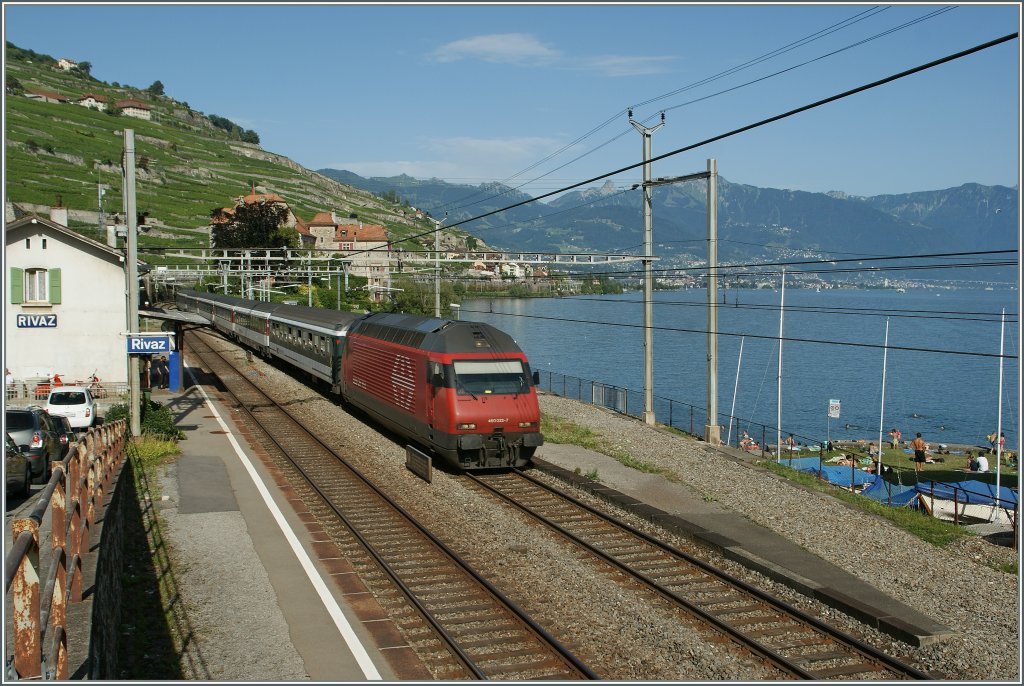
482,634
802,646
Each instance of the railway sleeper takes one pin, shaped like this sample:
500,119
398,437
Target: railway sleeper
782,631
741,609
502,639
671,576
549,670
821,656
456,602
705,603
427,579
814,640
846,670
481,614
475,625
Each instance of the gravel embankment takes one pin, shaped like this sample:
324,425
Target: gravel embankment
625,634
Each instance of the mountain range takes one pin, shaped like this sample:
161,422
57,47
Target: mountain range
753,223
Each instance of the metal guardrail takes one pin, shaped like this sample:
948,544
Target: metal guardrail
673,413
72,498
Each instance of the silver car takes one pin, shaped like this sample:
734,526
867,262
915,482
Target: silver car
74,402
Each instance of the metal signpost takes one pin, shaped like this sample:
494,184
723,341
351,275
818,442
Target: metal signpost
833,413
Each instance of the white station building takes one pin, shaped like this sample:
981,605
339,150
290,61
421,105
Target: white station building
65,304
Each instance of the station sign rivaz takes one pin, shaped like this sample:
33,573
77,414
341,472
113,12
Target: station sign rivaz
145,345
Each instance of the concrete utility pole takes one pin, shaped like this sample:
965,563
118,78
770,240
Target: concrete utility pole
648,273
712,431
132,279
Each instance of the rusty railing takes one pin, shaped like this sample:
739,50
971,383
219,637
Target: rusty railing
73,495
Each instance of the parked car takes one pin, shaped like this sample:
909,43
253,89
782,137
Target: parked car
34,427
17,469
74,402
65,433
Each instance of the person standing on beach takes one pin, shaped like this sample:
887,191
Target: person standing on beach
920,452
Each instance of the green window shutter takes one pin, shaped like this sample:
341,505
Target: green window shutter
54,286
17,286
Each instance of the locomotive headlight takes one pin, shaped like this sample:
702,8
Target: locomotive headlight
465,426
527,425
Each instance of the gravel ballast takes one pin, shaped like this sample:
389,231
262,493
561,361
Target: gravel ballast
626,634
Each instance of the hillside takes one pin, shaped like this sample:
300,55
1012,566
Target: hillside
186,165
753,223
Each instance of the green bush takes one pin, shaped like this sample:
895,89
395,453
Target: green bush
157,420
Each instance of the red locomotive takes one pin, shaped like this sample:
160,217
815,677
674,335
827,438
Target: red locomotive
462,389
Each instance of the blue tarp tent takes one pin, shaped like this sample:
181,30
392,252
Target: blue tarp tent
839,476
970,491
891,494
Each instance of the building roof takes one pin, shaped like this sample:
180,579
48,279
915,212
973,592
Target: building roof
97,98
46,94
360,233
137,104
322,219
31,219
260,197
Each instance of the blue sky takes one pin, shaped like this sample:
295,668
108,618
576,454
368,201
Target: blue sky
515,92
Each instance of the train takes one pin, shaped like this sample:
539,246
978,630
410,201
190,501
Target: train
463,391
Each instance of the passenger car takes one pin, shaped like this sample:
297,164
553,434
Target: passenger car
74,402
17,469
34,427
65,433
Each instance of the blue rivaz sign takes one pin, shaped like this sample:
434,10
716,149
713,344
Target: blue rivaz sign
148,344
37,321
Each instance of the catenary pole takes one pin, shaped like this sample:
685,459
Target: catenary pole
712,430
132,279
648,272
778,400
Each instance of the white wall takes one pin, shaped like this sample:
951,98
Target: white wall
91,321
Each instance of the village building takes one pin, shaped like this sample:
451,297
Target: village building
66,309
134,108
64,64
45,96
93,101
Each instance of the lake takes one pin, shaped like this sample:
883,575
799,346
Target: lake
932,382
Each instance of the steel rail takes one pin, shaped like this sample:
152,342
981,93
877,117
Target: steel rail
858,647
431,619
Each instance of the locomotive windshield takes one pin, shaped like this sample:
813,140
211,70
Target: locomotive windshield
487,377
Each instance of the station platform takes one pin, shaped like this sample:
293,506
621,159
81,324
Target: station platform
681,510
269,597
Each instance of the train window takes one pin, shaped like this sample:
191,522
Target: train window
486,377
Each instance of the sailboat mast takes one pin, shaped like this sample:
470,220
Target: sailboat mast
735,387
999,420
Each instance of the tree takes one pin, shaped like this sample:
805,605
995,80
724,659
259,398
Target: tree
85,68
254,225
156,88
